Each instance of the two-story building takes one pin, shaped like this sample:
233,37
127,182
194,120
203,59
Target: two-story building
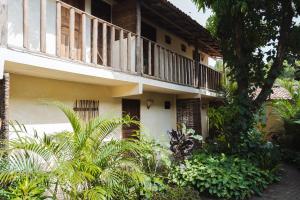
145,58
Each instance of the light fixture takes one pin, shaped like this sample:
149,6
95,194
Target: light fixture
149,103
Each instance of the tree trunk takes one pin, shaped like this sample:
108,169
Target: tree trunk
4,101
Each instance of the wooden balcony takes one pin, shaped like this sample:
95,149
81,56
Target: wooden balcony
81,37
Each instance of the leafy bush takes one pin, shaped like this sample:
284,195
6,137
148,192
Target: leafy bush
177,193
222,176
77,165
183,142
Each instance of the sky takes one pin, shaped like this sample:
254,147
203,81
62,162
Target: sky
189,8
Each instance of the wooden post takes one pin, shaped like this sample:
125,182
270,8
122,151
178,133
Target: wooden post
129,51
149,59
25,23
95,42
138,41
121,53
72,33
3,22
104,42
4,103
156,62
112,40
58,29
43,23
83,37
142,55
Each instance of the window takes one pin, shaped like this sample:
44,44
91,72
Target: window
168,39
183,48
86,109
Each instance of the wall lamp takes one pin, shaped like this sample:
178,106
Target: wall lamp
149,103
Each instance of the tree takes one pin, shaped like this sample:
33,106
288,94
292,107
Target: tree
252,34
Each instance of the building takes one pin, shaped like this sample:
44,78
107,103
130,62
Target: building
142,57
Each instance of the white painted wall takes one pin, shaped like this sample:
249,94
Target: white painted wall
27,108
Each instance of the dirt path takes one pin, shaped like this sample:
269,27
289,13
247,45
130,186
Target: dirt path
287,189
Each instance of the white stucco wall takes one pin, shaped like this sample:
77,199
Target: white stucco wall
27,108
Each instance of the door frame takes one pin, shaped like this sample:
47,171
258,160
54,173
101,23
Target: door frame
136,102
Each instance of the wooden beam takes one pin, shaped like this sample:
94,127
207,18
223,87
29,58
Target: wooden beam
26,23
43,23
95,42
83,37
129,51
72,33
3,22
112,41
104,42
58,29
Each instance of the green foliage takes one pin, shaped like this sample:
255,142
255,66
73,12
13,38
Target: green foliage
177,193
255,37
80,164
289,111
222,176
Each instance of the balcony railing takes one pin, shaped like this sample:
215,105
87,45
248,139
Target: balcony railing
84,38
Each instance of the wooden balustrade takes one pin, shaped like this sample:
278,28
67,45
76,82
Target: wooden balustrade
84,38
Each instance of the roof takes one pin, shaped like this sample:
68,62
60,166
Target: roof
165,14
278,93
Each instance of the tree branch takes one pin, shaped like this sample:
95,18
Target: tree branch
277,66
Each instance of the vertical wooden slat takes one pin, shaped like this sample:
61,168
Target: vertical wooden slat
156,62
83,37
95,42
179,68
206,74
121,49
162,63
175,68
149,59
129,51
171,66
43,22
72,33
166,63
142,54
104,43
112,41
25,23
58,29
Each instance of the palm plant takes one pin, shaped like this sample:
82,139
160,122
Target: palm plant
79,164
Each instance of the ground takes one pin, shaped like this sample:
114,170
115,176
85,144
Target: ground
287,189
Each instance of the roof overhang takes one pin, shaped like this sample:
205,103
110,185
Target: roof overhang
165,14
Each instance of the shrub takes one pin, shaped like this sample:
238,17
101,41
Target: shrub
222,176
177,193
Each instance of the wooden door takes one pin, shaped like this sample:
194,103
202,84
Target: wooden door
131,107
65,29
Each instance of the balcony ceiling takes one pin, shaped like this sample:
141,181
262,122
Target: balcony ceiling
165,14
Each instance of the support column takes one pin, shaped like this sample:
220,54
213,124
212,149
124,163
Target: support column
139,63
4,101
3,23
197,67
